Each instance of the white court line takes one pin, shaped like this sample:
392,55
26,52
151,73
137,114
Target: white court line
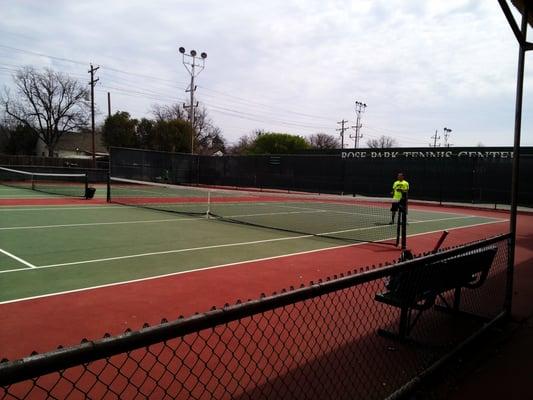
151,221
20,260
274,213
159,253
412,208
213,247
20,196
226,265
419,210
12,228
307,211
199,218
53,208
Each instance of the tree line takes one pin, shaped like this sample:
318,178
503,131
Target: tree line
47,104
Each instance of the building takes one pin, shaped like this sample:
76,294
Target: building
75,145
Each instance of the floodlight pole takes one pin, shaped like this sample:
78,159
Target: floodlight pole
191,66
447,132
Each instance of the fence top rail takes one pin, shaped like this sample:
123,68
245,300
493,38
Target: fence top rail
524,151
34,168
89,351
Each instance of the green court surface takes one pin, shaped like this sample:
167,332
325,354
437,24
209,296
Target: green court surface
52,249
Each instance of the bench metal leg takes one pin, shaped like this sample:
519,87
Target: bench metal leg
457,299
405,316
404,327
450,308
455,309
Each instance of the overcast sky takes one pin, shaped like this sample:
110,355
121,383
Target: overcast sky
294,66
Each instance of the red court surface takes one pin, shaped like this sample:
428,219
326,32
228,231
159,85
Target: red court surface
44,323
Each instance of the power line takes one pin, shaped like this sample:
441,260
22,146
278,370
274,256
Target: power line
222,102
157,96
398,135
69,60
248,101
43,55
220,109
107,68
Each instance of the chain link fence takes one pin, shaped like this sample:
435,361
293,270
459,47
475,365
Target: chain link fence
371,333
475,180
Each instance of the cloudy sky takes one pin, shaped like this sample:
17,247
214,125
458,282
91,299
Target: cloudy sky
294,66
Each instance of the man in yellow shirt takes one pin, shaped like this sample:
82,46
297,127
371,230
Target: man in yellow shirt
399,194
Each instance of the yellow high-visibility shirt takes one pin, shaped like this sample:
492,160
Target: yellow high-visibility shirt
399,188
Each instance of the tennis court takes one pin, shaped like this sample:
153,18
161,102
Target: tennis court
49,249
143,253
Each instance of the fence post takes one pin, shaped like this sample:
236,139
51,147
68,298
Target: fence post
516,161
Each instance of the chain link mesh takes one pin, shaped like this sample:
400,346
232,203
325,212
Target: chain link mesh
322,341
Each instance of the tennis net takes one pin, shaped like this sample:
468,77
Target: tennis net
352,219
75,185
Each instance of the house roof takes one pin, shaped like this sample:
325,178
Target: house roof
81,141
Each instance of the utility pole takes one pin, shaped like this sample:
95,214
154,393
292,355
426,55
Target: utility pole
359,109
447,132
341,130
435,138
191,67
108,104
93,83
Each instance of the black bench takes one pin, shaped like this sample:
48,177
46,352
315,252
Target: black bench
417,289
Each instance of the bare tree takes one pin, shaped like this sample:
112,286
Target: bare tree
242,145
211,142
383,142
324,141
208,138
167,113
49,103
245,142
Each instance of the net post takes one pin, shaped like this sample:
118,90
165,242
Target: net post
108,194
208,211
86,183
399,227
403,216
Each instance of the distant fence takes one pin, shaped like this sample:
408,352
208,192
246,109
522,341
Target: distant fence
322,341
454,179
57,165
93,175
82,163
472,180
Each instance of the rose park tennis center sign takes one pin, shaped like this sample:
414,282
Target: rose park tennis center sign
423,153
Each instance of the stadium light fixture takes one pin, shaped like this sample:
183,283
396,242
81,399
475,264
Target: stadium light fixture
194,67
